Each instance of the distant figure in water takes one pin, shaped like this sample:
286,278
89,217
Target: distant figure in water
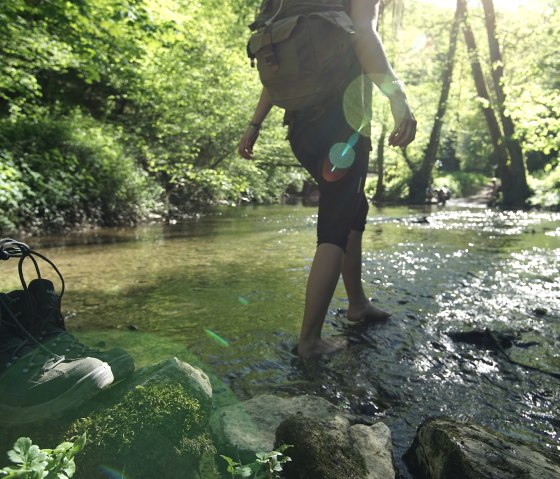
317,132
443,194
495,190
429,194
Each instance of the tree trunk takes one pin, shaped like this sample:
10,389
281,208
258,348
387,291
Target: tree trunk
380,160
500,150
422,177
519,185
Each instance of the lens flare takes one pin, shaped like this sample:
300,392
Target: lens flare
420,43
212,335
357,105
353,139
341,155
243,301
111,473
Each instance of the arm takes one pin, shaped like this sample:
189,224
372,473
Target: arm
247,141
371,55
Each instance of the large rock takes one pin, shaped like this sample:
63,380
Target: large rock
335,449
169,371
243,429
445,449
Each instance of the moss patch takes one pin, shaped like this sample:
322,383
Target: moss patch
150,428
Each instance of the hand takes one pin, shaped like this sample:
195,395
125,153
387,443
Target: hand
405,123
247,141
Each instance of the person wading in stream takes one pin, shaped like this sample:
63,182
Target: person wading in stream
334,149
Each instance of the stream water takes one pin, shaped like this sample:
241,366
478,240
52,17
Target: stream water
475,297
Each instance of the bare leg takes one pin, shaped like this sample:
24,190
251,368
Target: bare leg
321,284
360,308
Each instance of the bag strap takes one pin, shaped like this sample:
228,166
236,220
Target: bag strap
276,13
264,6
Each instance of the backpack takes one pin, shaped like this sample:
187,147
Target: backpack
303,50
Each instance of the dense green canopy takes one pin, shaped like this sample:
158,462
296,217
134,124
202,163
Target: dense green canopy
114,110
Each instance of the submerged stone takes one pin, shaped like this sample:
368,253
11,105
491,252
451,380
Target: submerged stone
484,339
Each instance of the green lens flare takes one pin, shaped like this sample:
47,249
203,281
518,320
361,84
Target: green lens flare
243,301
341,155
111,473
357,105
353,140
221,341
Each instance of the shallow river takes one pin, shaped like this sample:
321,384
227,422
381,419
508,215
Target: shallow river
475,297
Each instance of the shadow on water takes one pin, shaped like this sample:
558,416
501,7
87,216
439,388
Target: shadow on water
475,297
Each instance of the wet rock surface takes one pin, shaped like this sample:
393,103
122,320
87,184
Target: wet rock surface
446,449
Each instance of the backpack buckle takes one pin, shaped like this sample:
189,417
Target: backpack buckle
269,56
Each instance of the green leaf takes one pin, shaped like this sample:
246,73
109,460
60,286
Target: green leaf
70,468
79,444
244,471
63,447
284,447
13,472
230,461
20,451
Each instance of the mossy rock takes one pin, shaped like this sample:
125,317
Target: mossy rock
153,431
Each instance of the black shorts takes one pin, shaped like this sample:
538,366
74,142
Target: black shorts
317,139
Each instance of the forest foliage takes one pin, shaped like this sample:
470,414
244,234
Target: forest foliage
114,111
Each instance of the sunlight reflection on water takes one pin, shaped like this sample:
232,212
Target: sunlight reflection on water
241,275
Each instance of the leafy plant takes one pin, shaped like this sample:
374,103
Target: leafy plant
268,465
34,463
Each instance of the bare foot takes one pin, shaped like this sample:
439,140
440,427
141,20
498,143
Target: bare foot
366,312
311,349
